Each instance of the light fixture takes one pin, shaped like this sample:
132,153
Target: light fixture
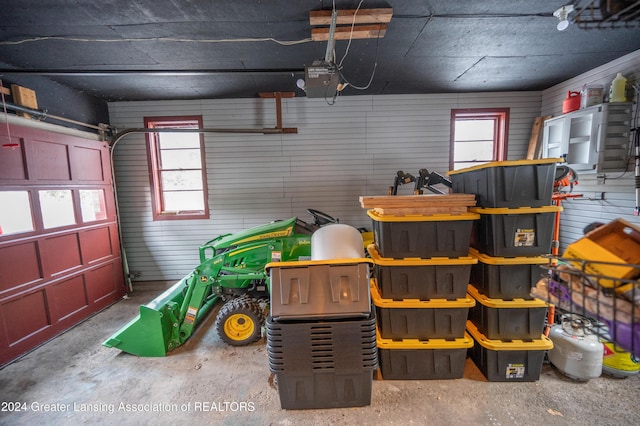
563,16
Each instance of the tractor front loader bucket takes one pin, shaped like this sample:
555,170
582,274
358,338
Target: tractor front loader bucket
159,328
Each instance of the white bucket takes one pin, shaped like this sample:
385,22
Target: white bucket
336,241
591,94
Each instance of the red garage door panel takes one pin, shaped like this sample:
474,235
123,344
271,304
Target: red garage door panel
52,278
61,253
51,160
25,316
20,265
12,161
87,164
69,297
100,283
96,244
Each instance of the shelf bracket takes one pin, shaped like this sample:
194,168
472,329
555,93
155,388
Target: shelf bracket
278,96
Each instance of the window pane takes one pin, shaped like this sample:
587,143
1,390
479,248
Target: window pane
474,129
178,169
473,151
179,140
183,201
57,208
180,159
92,205
15,214
181,180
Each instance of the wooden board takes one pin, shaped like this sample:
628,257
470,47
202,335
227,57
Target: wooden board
363,16
24,97
345,33
535,143
417,201
423,211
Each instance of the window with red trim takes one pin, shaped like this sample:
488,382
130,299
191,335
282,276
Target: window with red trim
478,136
177,168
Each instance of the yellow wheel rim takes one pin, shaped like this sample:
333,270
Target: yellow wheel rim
239,327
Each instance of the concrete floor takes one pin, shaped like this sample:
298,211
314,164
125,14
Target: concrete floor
206,381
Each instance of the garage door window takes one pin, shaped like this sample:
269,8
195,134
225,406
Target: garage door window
57,208
18,217
92,205
178,176
478,136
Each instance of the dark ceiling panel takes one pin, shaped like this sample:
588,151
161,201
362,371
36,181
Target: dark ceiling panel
528,72
248,46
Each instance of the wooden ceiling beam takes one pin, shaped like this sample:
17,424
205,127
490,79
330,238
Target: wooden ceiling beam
364,16
344,33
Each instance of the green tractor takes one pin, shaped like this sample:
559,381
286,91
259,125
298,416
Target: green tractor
231,271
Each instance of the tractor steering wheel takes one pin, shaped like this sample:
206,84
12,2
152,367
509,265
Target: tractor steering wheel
321,218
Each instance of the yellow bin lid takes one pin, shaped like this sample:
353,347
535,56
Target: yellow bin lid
541,344
504,304
507,164
418,261
466,302
519,210
421,217
459,343
490,260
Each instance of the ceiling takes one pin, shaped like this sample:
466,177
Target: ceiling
190,49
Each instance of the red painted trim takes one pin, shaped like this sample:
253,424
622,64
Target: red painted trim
153,162
501,130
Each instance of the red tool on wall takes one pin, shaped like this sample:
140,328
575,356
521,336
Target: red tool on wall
565,178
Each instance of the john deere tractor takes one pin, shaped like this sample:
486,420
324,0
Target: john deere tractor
231,271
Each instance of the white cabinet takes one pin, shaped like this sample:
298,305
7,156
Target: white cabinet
594,138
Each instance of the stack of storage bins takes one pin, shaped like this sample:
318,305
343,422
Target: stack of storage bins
321,335
514,231
422,268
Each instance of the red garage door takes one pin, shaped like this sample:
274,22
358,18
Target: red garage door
59,248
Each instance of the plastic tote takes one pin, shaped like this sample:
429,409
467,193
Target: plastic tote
514,361
517,232
416,278
416,319
506,277
432,359
507,320
424,236
508,184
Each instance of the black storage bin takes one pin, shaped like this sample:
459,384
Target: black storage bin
318,389
509,184
339,345
515,361
323,364
507,320
506,277
432,359
422,320
439,235
424,279
514,232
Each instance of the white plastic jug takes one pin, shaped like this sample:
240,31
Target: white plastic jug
616,91
336,241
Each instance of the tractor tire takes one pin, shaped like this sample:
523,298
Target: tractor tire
239,322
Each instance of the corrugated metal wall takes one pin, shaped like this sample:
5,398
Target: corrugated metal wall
619,197
341,151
